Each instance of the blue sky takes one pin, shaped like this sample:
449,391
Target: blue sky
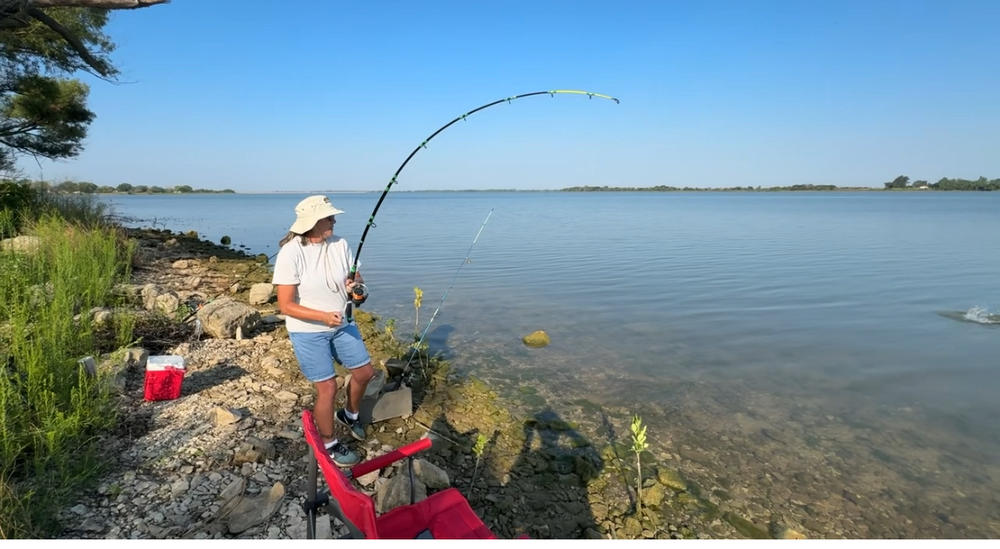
264,96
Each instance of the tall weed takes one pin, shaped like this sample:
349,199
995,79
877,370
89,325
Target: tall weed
50,411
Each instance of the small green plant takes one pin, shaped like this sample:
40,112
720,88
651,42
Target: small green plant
418,298
225,240
477,450
638,446
390,328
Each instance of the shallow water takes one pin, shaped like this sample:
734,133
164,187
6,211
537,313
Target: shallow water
828,356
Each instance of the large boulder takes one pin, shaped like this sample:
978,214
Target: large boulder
221,318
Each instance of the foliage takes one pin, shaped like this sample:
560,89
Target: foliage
639,445
43,113
50,412
20,202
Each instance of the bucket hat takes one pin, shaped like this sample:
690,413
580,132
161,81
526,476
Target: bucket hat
310,210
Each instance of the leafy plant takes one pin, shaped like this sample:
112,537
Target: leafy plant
417,301
390,328
638,446
477,450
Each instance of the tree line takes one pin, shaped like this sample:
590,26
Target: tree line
86,187
900,183
667,188
944,184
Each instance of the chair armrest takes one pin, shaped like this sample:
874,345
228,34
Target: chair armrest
392,457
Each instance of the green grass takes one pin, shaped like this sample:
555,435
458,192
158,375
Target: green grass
51,413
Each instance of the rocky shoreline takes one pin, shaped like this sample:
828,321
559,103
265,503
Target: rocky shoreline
228,459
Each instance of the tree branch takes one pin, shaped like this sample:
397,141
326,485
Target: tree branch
14,13
72,40
103,4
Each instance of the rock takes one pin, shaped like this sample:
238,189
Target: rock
632,529
745,527
253,511
181,264
191,282
264,447
149,293
102,315
286,396
788,533
167,302
431,475
653,496
537,338
269,362
671,479
231,495
323,528
272,319
26,244
136,357
368,479
221,318
260,293
223,416
396,492
116,372
92,524
179,487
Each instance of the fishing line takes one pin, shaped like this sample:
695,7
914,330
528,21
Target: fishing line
360,297
468,256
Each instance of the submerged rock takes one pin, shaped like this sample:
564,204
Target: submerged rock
537,338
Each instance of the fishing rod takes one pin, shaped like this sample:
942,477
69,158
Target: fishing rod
468,256
359,292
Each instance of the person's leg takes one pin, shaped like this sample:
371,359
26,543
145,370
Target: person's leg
360,377
350,351
326,396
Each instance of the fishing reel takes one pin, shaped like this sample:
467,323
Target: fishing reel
358,293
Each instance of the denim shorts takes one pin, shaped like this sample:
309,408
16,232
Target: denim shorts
316,351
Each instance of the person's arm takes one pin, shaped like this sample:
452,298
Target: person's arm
288,306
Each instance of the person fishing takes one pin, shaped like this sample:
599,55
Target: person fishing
311,276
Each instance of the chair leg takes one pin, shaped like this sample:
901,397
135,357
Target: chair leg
413,489
311,500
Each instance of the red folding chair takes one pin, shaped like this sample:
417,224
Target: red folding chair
443,515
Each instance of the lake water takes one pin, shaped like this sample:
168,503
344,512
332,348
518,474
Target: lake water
824,358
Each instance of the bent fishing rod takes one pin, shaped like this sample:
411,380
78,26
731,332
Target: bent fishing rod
359,292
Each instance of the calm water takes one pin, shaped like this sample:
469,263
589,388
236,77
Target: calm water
811,343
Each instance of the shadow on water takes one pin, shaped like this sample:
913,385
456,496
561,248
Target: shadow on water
438,341
544,492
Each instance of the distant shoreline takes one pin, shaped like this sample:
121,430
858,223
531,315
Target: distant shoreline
570,190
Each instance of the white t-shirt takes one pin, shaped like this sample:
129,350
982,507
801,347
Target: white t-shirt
319,271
